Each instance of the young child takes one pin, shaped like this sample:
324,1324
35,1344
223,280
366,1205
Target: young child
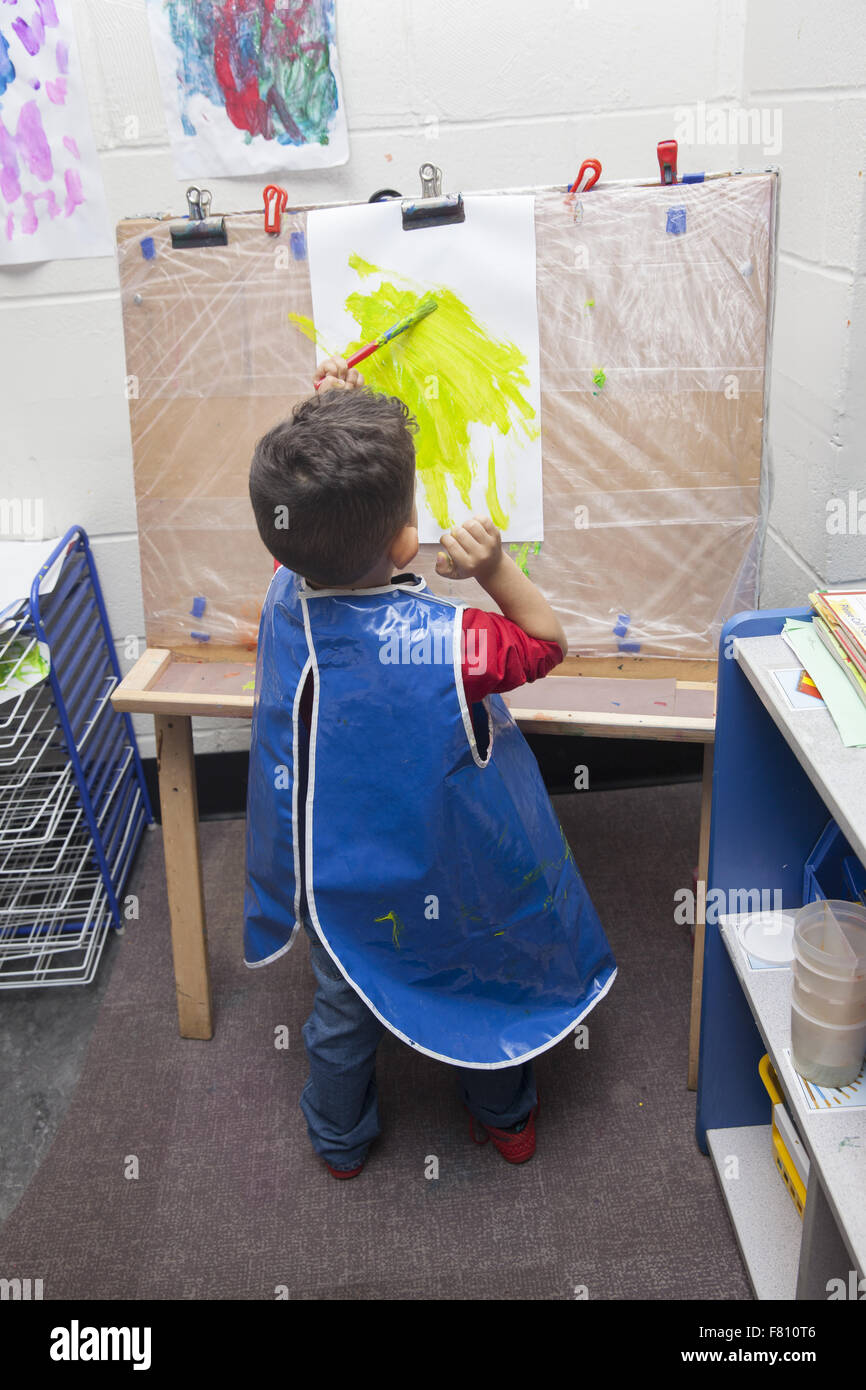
394,808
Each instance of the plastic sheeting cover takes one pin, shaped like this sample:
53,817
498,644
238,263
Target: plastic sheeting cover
653,315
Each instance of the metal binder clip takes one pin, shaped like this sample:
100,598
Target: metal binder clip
431,181
433,208
198,228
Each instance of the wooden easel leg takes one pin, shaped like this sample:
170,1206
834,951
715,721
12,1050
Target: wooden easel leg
700,917
179,802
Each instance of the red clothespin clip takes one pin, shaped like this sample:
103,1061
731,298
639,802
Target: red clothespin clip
588,176
667,152
275,201
591,167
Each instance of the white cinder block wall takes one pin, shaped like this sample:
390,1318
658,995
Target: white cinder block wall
497,101
808,61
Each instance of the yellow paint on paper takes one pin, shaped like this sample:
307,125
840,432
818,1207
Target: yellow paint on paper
451,373
494,507
361,267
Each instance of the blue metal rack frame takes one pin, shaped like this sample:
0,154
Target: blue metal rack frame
84,671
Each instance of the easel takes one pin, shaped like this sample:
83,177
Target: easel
213,369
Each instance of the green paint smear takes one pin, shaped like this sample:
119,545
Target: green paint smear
599,378
521,554
451,373
554,865
21,668
397,927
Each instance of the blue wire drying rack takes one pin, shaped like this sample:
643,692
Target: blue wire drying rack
74,799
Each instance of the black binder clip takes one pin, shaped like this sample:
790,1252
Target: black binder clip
198,228
433,208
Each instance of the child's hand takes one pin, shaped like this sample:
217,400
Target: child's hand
334,375
471,551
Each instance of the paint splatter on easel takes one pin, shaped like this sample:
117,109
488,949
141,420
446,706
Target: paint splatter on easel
521,555
452,374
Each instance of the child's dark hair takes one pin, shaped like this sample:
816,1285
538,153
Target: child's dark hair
332,485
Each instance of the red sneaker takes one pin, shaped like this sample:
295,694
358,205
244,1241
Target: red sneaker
515,1148
342,1172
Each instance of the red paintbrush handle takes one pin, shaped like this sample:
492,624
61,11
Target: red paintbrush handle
357,357
361,354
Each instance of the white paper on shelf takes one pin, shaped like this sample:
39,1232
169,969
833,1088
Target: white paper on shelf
846,708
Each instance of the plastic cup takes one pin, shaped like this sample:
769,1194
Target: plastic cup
831,986
828,1008
830,937
830,1054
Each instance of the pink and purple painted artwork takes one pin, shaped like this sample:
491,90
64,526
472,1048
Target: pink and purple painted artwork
52,203
249,86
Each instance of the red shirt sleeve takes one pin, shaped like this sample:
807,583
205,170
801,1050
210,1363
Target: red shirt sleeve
498,655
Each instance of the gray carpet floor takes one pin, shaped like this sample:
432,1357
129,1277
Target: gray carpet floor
183,1170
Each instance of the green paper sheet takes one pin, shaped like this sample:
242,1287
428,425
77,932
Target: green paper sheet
846,708
24,663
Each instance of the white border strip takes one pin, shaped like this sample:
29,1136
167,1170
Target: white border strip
461,693
296,712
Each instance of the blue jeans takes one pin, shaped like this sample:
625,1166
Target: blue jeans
339,1100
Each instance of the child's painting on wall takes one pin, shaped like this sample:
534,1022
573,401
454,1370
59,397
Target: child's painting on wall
52,202
249,86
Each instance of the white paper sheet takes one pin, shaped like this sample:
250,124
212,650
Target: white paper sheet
20,562
789,679
251,89
52,202
470,372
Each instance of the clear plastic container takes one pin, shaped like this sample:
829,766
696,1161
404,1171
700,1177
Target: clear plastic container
830,937
831,986
830,1054
829,1008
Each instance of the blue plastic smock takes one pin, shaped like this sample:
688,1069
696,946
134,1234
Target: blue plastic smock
435,873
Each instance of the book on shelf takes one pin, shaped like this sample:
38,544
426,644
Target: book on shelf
840,623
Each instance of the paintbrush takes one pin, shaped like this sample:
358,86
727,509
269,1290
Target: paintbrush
420,313
425,308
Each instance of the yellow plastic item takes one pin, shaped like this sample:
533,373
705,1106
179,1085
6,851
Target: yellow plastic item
787,1171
